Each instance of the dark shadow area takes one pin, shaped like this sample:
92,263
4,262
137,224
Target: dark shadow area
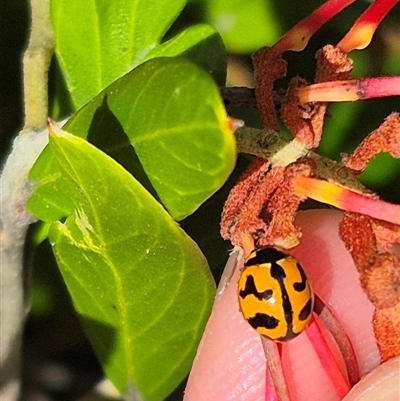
177,394
107,134
14,20
58,360
60,101
203,224
202,55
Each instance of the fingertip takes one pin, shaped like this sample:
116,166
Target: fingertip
230,363
381,384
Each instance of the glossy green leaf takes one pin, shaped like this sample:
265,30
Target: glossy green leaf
98,41
173,115
201,44
140,284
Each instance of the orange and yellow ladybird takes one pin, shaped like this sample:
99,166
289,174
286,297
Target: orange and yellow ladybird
275,296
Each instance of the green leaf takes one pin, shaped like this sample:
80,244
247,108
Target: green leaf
174,117
245,26
103,39
98,41
140,284
201,44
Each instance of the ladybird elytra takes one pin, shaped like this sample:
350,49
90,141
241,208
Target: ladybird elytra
275,296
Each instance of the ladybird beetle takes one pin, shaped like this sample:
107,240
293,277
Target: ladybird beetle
275,296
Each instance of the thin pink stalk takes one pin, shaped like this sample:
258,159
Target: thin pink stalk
270,391
342,340
335,374
272,351
351,90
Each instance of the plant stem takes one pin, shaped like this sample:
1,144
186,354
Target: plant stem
36,63
14,192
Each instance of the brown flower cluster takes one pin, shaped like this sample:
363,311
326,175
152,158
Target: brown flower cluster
264,203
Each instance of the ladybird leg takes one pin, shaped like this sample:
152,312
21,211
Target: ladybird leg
274,366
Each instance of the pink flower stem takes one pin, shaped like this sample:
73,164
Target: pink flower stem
342,340
335,374
276,387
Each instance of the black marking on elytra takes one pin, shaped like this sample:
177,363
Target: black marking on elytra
251,289
263,320
299,287
266,255
271,256
306,310
278,273
289,335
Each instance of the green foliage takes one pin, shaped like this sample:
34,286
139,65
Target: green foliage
98,41
245,26
182,141
162,147
161,141
141,285
382,170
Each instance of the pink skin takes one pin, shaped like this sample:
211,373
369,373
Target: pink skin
230,363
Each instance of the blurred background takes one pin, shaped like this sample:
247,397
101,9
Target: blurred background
59,363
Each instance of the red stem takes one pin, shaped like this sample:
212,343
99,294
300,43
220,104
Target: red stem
296,39
361,33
